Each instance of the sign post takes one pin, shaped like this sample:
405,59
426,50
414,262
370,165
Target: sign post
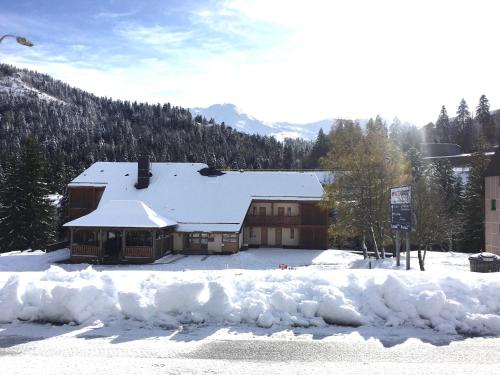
398,247
401,218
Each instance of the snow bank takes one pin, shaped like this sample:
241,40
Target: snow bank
37,260
467,303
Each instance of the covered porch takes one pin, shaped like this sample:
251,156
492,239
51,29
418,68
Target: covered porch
120,232
119,245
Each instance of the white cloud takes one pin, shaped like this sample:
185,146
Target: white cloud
303,61
154,35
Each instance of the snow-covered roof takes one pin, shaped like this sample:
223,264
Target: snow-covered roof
196,202
122,214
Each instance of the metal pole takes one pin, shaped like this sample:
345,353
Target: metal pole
398,249
407,250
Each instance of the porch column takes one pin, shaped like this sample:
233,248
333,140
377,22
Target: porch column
101,243
153,237
124,238
71,241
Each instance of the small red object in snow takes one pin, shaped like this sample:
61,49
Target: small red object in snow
283,266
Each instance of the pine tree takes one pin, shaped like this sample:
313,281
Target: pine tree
484,118
287,155
28,216
319,150
473,212
450,190
463,127
443,126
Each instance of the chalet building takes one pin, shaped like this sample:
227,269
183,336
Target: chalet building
491,208
136,212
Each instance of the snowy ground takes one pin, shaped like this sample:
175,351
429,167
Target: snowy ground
212,301
34,349
254,259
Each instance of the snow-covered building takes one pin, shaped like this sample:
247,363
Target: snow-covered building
135,212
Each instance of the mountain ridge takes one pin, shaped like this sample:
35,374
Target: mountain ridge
233,116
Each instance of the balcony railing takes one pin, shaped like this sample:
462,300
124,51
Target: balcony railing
266,221
138,252
85,250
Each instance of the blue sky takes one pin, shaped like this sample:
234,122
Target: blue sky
279,60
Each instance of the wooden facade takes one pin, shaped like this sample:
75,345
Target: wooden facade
308,221
279,223
83,200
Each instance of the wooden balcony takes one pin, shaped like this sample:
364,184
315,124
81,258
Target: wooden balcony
271,221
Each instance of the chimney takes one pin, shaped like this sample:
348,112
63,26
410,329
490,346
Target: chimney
143,171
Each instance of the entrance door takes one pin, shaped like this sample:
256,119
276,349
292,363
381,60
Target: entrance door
113,244
278,237
263,236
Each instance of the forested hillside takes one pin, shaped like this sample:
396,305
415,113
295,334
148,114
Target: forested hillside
76,128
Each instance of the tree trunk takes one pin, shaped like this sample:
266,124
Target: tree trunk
382,250
421,258
375,247
363,246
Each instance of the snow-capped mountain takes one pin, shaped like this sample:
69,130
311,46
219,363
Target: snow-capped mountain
232,116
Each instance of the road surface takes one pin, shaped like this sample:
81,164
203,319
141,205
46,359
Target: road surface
40,349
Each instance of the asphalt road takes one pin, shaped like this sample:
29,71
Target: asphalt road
346,353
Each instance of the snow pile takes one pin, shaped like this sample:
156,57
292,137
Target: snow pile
467,303
28,260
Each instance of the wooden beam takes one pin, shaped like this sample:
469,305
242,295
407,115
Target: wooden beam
101,240
124,238
153,238
71,241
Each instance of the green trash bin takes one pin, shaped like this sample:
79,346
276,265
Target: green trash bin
484,262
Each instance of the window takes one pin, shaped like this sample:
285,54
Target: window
254,211
493,205
292,233
289,211
85,237
139,238
201,239
262,211
281,211
252,233
230,237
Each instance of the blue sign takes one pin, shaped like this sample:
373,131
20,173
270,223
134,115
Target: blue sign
401,208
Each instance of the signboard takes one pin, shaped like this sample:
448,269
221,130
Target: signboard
401,209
